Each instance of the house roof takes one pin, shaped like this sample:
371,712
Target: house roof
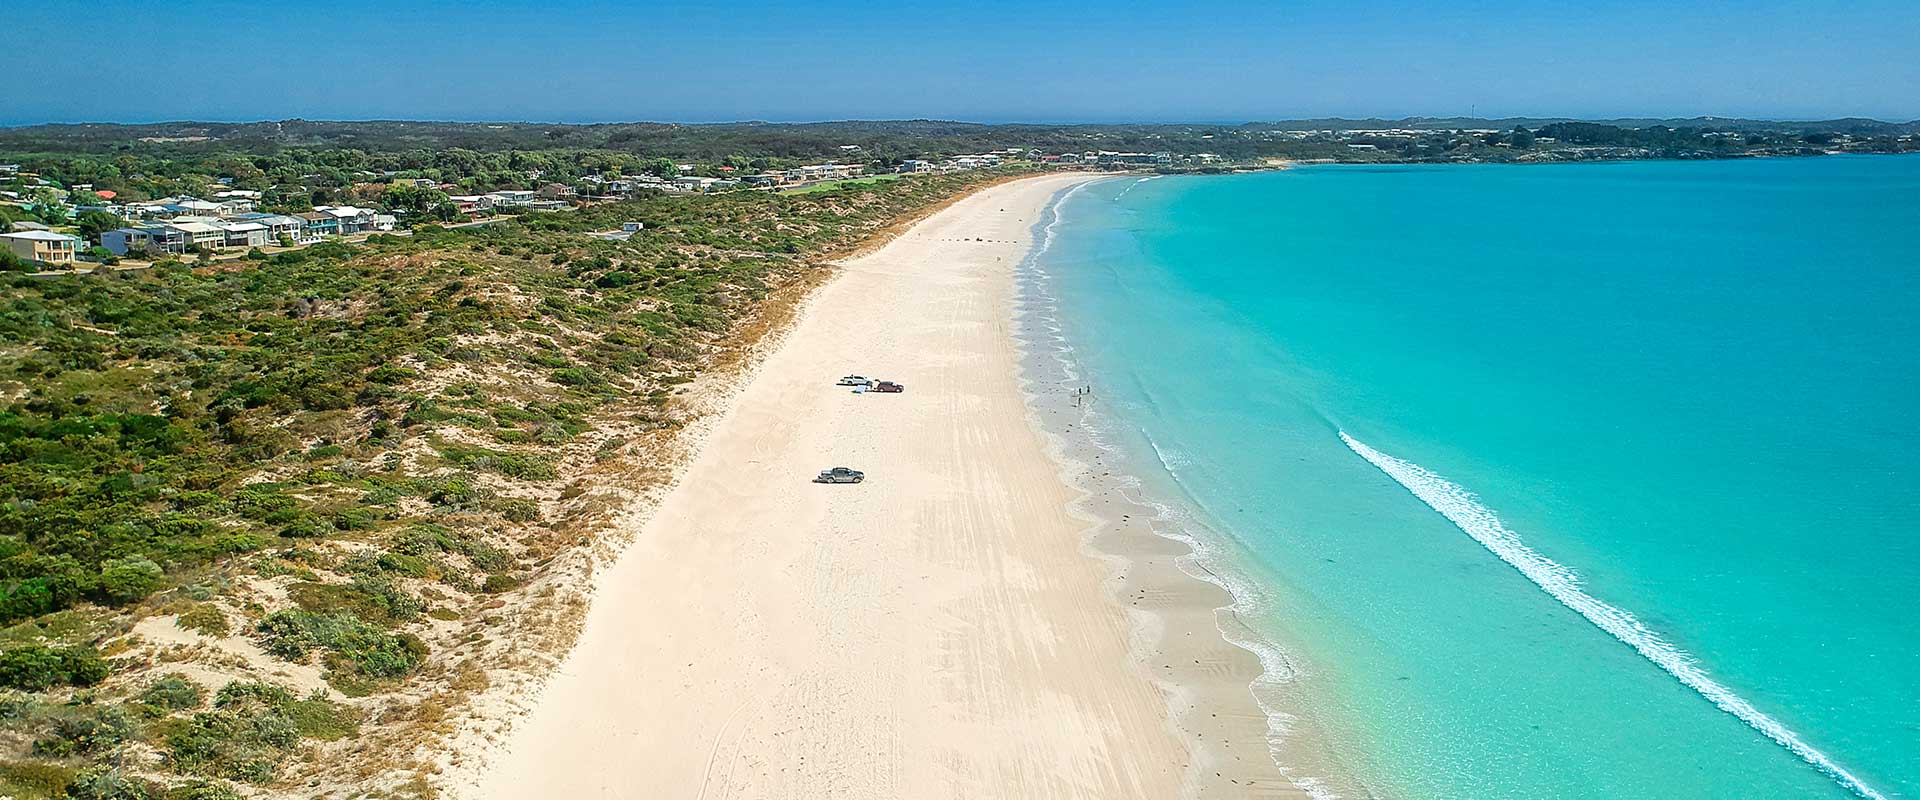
40,236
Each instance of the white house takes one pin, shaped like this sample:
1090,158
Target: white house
352,220
511,197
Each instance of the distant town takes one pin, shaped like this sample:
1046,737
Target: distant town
87,195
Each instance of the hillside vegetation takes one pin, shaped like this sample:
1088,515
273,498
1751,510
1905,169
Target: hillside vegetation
281,523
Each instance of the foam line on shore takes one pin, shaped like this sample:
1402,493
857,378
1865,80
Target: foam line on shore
1462,507
1044,336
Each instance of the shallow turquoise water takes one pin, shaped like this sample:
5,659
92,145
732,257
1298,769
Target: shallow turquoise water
1693,385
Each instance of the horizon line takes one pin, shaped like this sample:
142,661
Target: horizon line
1002,123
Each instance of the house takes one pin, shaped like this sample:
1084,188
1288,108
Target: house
350,219
233,206
472,203
143,210
385,222
164,238
200,234
244,234
317,225
694,183
557,191
916,165
508,198
43,246
278,225
194,207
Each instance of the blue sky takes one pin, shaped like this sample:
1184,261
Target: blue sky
984,60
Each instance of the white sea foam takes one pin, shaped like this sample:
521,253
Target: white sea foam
1123,192
1041,333
1462,507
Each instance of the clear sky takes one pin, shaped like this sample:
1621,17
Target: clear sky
984,60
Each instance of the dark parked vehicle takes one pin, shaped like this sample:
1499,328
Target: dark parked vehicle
840,475
889,387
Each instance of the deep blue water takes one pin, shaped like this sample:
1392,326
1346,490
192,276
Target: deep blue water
1628,494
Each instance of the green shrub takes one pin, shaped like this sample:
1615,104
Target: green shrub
403,564
353,519
172,692
34,780
35,668
104,729
352,646
251,729
129,580
108,783
577,377
205,618
202,790
373,597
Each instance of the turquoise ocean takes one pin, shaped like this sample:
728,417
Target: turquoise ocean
1550,481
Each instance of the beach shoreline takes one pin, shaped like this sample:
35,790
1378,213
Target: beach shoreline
938,631
1226,682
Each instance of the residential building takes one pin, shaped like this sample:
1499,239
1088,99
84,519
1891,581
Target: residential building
194,207
164,238
244,234
318,225
472,203
278,225
511,197
349,218
201,234
44,246
385,222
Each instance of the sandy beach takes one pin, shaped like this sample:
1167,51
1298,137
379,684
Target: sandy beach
946,629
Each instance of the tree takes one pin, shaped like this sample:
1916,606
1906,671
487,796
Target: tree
94,223
662,167
411,198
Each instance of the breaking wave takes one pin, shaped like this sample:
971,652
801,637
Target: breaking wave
1464,510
